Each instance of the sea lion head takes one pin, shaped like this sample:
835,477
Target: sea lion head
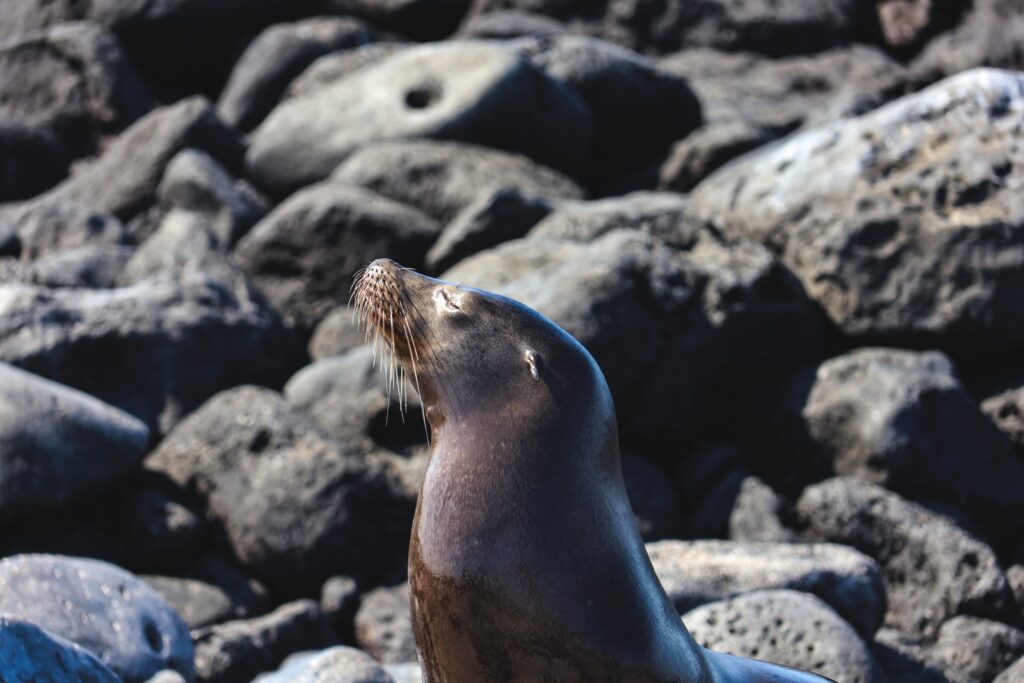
469,351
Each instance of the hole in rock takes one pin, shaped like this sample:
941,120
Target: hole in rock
423,95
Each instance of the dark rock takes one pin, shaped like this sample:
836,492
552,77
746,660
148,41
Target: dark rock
52,227
888,227
335,66
693,158
338,664
339,601
197,603
156,349
96,266
304,254
1007,411
662,214
760,514
905,660
419,19
310,507
124,179
503,25
694,573
338,333
275,57
895,418
972,650
442,179
495,217
58,445
989,35
652,496
667,321
32,159
474,92
195,182
28,653
349,397
907,25
185,243
162,533
1015,674
785,627
10,242
73,79
100,607
932,568
247,596
384,625
235,652
637,109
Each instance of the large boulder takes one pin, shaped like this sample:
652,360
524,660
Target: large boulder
903,223
468,91
971,650
899,419
932,568
785,627
685,326
694,573
444,178
304,253
58,445
28,653
100,607
309,508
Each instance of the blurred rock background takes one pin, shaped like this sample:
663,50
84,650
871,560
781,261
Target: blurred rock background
791,233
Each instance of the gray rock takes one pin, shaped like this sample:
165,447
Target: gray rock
338,664
498,216
28,653
667,321
304,254
1015,575
58,445
694,157
184,244
74,79
196,602
339,601
637,108
194,181
335,66
100,607
419,19
469,91
694,573
760,514
899,419
506,24
989,35
1007,411
167,677
664,215
932,568
405,672
10,243
348,396
652,496
336,334
310,507
972,650
442,179
904,659
52,227
384,625
95,266
893,242
161,533
235,652
123,180
785,627
32,159
1015,674
156,349
275,57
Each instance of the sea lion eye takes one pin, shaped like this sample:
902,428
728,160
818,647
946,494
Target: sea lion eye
446,298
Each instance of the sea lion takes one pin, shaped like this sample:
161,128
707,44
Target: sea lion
525,563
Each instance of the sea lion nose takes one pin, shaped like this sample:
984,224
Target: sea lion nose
383,264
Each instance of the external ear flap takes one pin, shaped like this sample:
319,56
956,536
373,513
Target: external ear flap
533,360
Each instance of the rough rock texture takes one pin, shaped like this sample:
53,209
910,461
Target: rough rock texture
662,317
275,57
29,653
196,602
165,344
899,419
74,79
989,35
337,664
473,92
904,224
1014,674
698,572
384,625
444,178
100,607
237,651
905,659
297,506
335,66
970,649
759,514
1007,411
337,333
52,227
303,254
339,601
932,568
58,445
785,627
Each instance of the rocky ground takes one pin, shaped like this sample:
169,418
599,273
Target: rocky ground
792,235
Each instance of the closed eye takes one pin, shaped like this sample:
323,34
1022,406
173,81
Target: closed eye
448,299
